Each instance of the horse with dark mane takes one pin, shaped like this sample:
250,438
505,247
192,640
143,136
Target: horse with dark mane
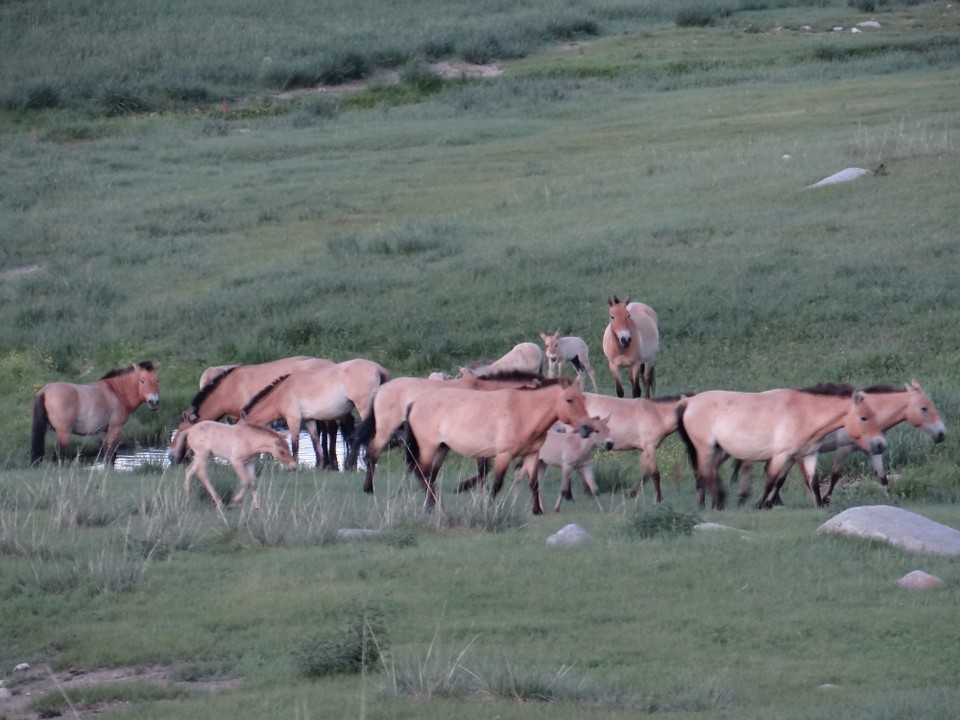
97,408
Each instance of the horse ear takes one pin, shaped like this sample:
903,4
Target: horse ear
579,382
543,336
914,384
627,301
243,417
612,300
185,416
556,333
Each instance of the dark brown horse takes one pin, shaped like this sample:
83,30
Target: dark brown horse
97,408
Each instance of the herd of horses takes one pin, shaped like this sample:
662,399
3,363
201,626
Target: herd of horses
504,411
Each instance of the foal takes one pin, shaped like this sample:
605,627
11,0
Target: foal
571,349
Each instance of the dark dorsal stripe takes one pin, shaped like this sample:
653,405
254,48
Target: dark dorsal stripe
143,365
834,389
263,393
883,389
209,388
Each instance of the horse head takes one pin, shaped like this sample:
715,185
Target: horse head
572,408
601,428
922,414
862,425
148,384
550,343
620,322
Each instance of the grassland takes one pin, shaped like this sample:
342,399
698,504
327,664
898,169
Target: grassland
625,149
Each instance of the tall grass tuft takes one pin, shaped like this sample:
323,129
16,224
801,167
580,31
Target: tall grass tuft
357,646
659,521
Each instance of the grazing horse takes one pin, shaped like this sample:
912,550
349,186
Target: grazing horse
571,452
230,387
503,424
392,403
238,444
97,408
639,424
631,340
571,349
893,406
526,357
781,427
324,393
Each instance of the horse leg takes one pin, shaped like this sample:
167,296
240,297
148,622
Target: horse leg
502,464
483,467
110,442
346,425
649,379
586,474
63,438
615,373
741,473
635,372
531,465
841,454
776,470
316,439
245,474
808,468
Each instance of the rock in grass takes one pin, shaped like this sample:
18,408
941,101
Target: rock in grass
569,535
901,528
919,580
354,534
846,175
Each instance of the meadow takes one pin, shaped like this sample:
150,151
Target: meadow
198,190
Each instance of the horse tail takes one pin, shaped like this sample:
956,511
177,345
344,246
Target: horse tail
412,449
178,448
40,424
360,437
691,448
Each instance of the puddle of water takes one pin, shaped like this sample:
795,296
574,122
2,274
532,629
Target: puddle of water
154,457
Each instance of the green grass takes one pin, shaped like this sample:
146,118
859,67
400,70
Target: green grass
428,224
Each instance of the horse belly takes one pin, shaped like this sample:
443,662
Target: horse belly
328,406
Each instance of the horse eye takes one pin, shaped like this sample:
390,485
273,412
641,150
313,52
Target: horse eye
923,408
863,418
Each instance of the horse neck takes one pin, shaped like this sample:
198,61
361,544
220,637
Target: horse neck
829,412
890,407
125,390
215,405
664,414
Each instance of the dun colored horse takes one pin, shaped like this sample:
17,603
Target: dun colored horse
639,424
324,393
571,349
238,444
97,408
526,357
631,340
226,389
781,427
571,452
893,406
392,403
502,424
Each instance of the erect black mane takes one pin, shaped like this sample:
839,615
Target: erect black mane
882,389
671,398
514,376
208,389
263,393
143,365
834,389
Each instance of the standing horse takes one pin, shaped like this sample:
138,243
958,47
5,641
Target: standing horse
639,424
781,427
98,408
230,387
631,340
571,452
324,393
571,349
525,357
392,403
503,424
238,444
893,406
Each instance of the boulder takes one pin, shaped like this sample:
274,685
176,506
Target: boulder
845,175
354,534
901,528
568,535
919,580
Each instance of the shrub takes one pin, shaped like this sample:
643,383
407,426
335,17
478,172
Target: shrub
701,14
358,644
660,520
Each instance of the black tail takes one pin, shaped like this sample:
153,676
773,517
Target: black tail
40,424
178,448
412,448
360,437
691,449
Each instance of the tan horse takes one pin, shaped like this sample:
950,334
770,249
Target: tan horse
502,424
230,387
392,403
567,349
639,424
324,393
238,444
571,452
780,427
97,408
893,406
525,357
631,340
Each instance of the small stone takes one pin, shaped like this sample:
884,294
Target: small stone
919,580
571,534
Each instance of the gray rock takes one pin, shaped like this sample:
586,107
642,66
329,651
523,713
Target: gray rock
571,534
919,580
845,175
900,528
351,534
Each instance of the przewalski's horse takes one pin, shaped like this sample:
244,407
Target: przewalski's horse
503,424
97,408
571,452
231,387
631,340
571,349
238,444
780,427
525,357
325,393
893,406
639,424
392,403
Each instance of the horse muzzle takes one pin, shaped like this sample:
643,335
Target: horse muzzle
153,401
585,430
878,446
608,445
624,340
937,431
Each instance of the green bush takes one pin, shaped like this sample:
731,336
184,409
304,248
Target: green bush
660,520
357,645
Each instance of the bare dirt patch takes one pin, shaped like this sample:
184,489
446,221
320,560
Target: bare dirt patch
26,686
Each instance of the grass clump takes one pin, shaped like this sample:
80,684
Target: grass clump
661,520
358,645
701,14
